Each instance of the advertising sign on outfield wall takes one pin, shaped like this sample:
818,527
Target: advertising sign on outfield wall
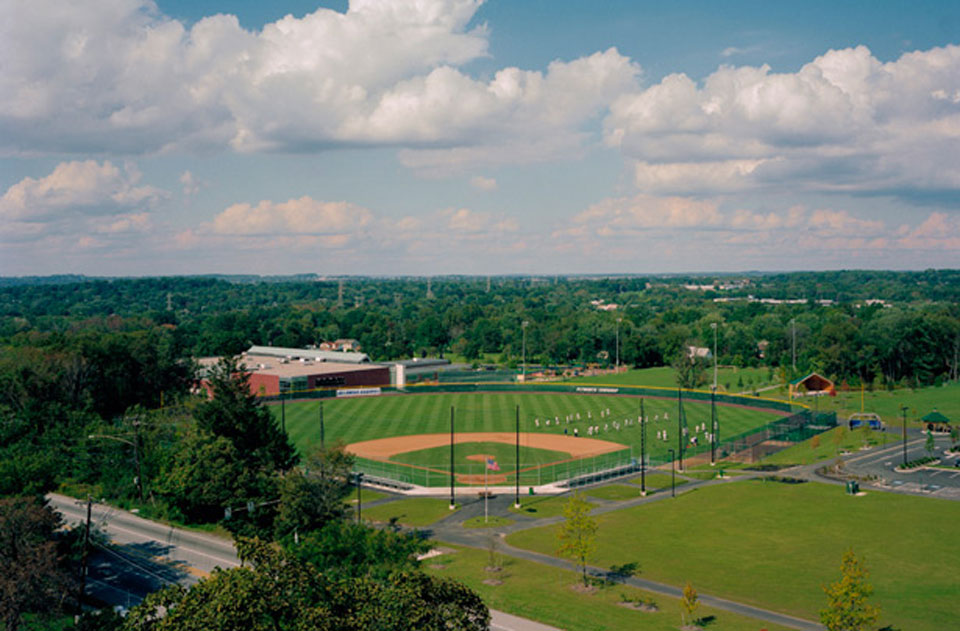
358,392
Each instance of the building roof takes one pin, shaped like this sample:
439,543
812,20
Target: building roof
935,417
308,354
281,367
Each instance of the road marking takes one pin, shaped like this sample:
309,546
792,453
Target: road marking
179,546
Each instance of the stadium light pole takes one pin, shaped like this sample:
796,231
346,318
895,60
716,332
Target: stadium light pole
516,503
643,451
713,325
321,424
453,504
673,475
793,335
523,326
617,365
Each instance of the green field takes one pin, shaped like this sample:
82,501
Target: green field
774,545
887,403
544,593
829,445
414,512
728,379
366,418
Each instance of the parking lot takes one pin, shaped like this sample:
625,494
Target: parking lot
882,462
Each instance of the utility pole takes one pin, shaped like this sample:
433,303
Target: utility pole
136,457
617,365
85,556
283,412
321,424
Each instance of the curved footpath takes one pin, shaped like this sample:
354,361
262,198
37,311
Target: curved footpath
450,530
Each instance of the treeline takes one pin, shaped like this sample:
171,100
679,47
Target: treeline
914,337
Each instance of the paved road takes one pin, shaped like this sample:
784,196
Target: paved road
145,555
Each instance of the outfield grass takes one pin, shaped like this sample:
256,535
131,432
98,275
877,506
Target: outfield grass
544,593
354,420
415,512
503,454
774,545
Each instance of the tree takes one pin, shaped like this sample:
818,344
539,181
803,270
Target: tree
313,496
237,415
274,590
32,577
930,445
577,537
691,372
344,548
847,608
689,602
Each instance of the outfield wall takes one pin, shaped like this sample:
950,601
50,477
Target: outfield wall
778,405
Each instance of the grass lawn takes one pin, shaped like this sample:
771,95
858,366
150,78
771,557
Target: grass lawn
366,496
658,481
541,506
887,403
829,444
491,521
543,593
774,545
728,379
366,418
615,492
415,512
504,454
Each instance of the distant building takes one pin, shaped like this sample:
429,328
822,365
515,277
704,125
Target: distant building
698,352
274,370
812,385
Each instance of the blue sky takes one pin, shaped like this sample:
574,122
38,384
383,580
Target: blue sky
454,136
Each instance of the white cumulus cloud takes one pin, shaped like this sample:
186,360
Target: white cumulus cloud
843,122
303,216
119,76
78,188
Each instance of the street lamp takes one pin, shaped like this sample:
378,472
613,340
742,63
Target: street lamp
524,325
673,476
618,344
136,457
359,484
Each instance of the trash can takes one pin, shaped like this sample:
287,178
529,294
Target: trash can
530,490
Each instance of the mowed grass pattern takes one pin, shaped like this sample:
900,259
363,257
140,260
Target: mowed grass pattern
367,418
